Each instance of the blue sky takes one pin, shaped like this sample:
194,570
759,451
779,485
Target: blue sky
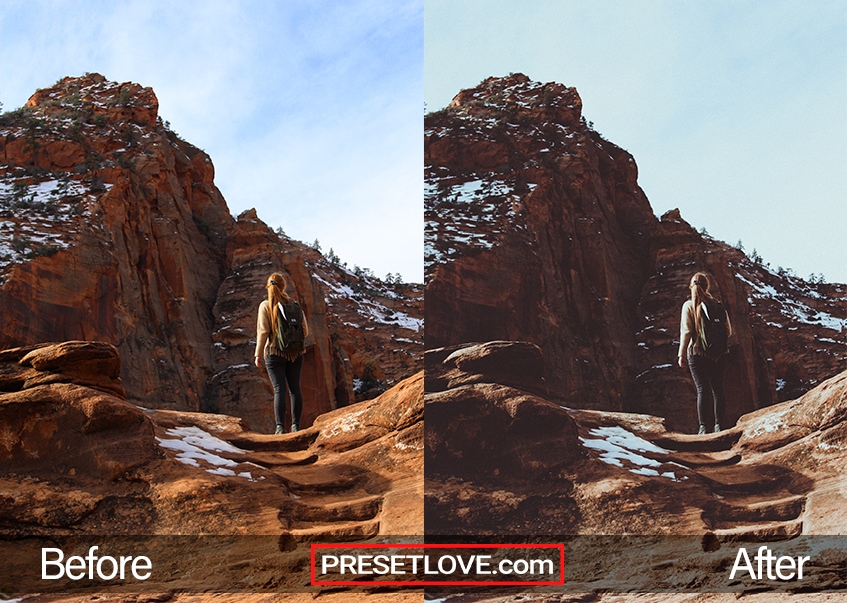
735,110
311,111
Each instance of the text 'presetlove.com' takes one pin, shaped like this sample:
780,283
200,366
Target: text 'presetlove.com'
439,564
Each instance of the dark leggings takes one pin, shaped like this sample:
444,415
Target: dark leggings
282,371
708,377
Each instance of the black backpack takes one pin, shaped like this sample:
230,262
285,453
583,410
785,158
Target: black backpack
713,328
290,335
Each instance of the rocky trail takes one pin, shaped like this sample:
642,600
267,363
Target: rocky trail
640,506
749,501
78,460
776,474
328,502
340,484
730,490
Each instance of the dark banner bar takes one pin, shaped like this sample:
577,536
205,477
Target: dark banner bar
696,564
568,564
193,564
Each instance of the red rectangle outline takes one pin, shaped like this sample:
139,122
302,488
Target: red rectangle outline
560,547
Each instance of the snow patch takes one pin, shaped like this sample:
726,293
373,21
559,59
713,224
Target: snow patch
790,307
468,215
371,310
771,422
193,446
404,446
348,422
617,445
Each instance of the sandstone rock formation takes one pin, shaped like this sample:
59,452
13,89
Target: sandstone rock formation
506,460
379,326
537,231
112,229
77,459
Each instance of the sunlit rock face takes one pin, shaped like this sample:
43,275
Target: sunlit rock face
112,229
77,459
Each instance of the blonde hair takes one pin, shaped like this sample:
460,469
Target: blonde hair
276,285
699,293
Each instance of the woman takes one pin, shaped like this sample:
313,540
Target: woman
707,366
283,366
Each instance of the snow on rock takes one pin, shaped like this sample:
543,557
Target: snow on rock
346,423
369,308
769,423
468,215
617,445
194,446
35,219
791,306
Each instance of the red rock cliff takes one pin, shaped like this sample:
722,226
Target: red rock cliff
112,229
537,230
122,226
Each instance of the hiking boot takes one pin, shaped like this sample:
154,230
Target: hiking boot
702,430
717,427
279,430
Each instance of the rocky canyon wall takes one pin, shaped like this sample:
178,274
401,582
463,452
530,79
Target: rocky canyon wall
112,229
537,231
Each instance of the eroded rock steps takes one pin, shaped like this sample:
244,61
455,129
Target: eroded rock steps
762,502
332,503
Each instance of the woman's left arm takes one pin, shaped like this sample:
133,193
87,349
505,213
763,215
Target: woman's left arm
262,332
686,326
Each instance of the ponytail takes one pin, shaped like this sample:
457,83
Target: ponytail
276,285
699,294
